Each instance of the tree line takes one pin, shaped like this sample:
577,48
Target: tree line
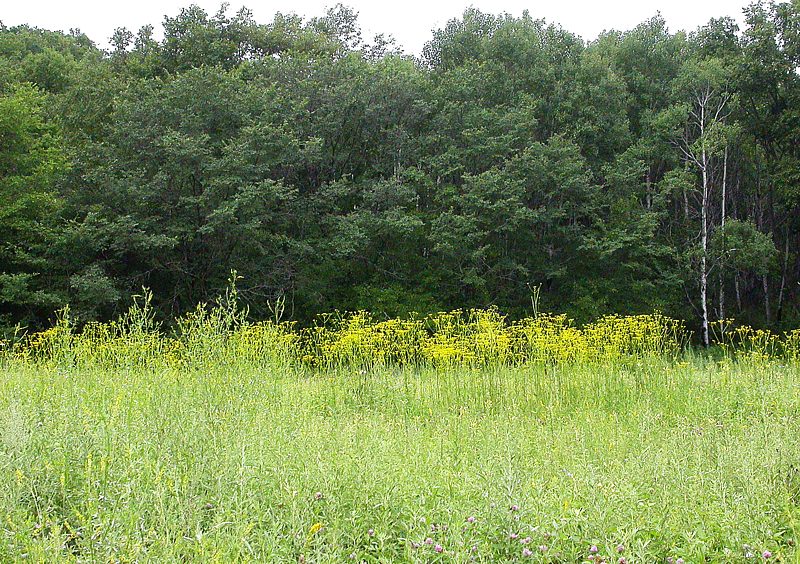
644,170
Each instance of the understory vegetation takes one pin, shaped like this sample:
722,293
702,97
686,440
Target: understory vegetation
222,334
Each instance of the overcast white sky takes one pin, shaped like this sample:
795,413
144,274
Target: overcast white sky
410,21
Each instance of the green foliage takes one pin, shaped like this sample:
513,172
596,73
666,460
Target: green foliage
333,172
32,157
743,247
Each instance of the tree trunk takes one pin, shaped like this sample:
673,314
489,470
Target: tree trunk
765,277
704,231
784,272
724,245
738,292
685,205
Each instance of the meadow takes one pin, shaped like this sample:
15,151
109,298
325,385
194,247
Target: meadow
458,437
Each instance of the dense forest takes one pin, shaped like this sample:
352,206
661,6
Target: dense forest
644,170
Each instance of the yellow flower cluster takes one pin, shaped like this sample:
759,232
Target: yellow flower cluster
758,344
472,338
791,344
358,340
485,337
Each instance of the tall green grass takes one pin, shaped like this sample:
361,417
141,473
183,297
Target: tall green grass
539,441
694,459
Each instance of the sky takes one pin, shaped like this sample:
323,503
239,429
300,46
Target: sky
409,21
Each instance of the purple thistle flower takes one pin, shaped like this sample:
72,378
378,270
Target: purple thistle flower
513,536
371,532
429,540
515,507
438,548
471,519
766,554
620,548
526,552
593,549
622,560
543,548
318,496
679,561
526,540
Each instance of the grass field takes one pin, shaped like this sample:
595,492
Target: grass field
459,437
641,460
